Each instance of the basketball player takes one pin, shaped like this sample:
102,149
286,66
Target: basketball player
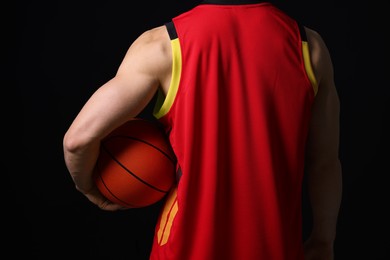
248,100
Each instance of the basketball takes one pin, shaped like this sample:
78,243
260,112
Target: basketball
136,164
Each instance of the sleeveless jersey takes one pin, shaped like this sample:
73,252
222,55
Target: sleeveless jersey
237,115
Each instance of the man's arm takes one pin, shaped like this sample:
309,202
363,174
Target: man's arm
322,161
145,68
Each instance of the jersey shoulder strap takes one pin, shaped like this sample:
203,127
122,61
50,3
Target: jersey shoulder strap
171,30
307,58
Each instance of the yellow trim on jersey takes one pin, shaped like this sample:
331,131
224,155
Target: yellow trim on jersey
163,105
308,67
167,217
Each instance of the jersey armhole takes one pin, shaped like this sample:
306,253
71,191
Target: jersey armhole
164,103
307,60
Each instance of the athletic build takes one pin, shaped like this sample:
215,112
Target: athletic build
248,100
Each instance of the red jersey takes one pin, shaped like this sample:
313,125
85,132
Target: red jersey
237,115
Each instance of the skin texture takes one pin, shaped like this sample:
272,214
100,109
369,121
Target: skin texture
322,158
147,67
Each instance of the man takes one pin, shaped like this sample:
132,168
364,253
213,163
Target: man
248,100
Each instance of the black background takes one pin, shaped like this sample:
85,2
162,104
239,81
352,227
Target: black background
57,53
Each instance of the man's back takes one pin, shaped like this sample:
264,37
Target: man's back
244,110
237,117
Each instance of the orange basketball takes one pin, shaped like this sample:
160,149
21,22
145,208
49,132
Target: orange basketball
136,165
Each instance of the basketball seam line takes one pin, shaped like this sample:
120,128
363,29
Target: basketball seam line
128,204
143,141
134,175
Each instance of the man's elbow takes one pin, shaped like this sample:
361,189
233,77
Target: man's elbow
72,143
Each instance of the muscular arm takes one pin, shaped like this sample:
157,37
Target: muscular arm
323,164
145,68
